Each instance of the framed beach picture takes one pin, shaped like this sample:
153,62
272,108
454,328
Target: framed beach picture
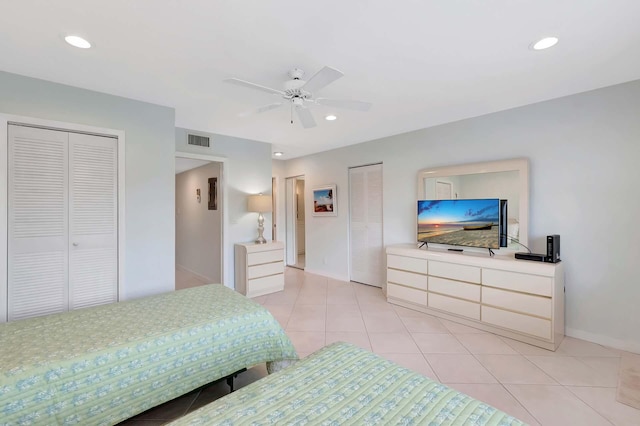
324,201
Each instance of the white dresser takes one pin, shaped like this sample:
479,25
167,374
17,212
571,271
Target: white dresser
259,268
520,299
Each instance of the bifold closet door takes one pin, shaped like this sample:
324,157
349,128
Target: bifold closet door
93,220
365,220
62,221
38,200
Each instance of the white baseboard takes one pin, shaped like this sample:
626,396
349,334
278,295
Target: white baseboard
611,342
202,277
326,274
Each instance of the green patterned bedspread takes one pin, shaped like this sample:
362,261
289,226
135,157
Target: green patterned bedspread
342,384
104,364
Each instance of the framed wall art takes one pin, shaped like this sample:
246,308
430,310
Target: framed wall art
325,201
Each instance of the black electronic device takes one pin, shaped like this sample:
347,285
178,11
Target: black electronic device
503,223
553,248
531,256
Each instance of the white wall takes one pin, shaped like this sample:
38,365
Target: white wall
584,153
198,229
246,171
149,196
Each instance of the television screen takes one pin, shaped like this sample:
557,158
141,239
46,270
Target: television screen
471,223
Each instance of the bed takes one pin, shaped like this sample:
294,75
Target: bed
101,365
343,384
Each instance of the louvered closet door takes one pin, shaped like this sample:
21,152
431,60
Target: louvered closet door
37,222
365,205
93,219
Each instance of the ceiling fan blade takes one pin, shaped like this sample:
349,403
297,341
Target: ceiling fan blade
261,109
342,103
250,85
305,118
322,78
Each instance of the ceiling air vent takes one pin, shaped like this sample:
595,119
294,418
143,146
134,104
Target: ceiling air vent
198,140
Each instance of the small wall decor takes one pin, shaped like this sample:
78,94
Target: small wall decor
213,193
325,201
198,194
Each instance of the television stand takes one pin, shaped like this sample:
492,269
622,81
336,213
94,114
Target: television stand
520,300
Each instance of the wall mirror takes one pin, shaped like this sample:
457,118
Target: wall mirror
506,179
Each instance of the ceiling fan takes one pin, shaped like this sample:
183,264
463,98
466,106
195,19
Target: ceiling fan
299,94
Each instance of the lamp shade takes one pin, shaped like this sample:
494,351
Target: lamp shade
259,203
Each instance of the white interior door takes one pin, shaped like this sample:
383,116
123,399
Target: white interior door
38,200
365,220
300,217
93,219
290,219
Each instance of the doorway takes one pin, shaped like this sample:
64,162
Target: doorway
295,222
366,248
198,222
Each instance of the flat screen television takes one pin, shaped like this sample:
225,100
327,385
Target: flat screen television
470,222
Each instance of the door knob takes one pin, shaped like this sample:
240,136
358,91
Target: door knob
75,244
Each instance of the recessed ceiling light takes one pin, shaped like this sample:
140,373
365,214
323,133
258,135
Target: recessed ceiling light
330,117
545,43
77,41
278,154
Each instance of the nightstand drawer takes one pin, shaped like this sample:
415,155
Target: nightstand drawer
265,285
265,269
410,264
407,279
455,288
407,294
454,271
525,283
264,257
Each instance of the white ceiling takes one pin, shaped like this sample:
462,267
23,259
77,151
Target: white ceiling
420,62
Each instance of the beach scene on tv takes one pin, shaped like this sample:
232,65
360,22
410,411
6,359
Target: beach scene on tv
471,223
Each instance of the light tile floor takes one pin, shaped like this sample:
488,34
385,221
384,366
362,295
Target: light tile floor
576,385
186,279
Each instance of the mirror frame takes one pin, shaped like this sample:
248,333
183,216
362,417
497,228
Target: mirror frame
520,165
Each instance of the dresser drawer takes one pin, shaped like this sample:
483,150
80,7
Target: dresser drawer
407,279
265,257
517,322
455,288
265,269
525,303
265,285
407,294
410,264
454,271
525,283
454,306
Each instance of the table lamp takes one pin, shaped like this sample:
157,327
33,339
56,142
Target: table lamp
260,204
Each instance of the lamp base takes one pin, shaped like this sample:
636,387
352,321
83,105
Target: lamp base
261,239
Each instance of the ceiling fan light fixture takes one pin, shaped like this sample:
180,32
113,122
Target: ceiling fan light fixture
278,154
330,117
77,41
545,43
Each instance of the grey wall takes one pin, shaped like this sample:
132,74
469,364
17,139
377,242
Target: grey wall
198,229
584,152
247,170
150,146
